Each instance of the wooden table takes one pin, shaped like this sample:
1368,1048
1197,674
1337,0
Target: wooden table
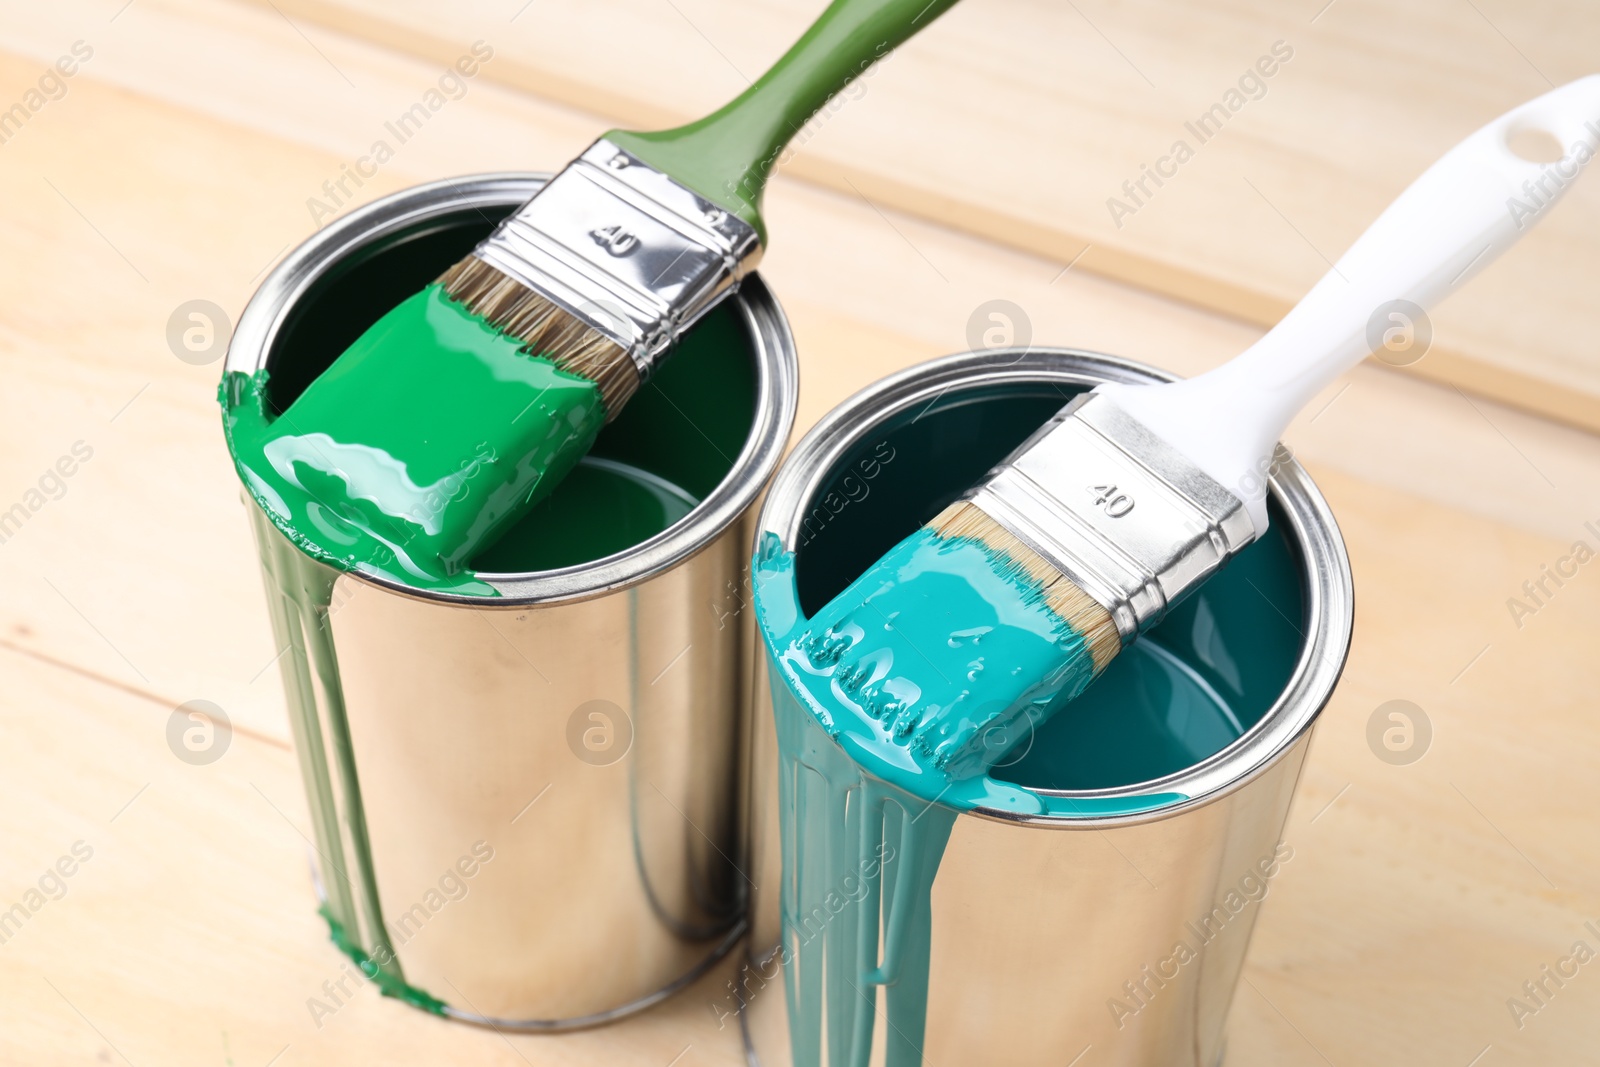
178,164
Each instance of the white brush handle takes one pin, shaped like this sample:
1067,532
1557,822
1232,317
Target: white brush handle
1449,224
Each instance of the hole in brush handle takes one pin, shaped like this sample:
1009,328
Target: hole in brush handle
1534,144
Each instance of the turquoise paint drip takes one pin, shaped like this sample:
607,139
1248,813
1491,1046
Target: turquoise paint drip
859,855
865,820
1179,695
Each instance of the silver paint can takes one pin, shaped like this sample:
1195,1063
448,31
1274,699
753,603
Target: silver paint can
1112,929
526,808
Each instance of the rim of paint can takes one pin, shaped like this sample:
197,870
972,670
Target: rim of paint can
414,212
1324,565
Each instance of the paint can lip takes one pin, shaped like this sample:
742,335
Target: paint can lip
1326,577
410,212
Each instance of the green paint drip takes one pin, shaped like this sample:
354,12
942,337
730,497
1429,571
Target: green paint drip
603,507
300,596
337,478
420,446
364,473
388,985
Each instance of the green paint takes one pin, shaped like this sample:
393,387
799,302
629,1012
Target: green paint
298,594
628,489
728,155
388,984
691,419
602,508
605,506
418,447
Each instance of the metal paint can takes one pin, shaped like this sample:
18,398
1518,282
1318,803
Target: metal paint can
1055,939
526,808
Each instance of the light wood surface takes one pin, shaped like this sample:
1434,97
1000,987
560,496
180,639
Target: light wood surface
1020,120
178,165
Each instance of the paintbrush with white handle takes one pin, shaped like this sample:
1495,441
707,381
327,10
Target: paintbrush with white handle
1133,495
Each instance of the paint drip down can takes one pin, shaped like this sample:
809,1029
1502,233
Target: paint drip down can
1112,924
525,807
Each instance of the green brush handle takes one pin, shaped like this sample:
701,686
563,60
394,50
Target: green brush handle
727,156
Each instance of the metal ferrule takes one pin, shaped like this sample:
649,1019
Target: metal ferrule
1116,509
625,248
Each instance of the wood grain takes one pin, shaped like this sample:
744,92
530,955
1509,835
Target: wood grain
178,166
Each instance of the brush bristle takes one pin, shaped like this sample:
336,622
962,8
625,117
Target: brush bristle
1081,611
546,328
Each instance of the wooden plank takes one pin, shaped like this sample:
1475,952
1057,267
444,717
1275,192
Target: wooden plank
1422,897
1406,920
1021,122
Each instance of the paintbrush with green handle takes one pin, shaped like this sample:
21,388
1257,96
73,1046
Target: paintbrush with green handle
644,232
483,390
966,635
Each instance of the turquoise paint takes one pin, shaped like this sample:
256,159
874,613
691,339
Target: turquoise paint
1193,720
1152,714
859,856
863,820
939,658
1179,695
